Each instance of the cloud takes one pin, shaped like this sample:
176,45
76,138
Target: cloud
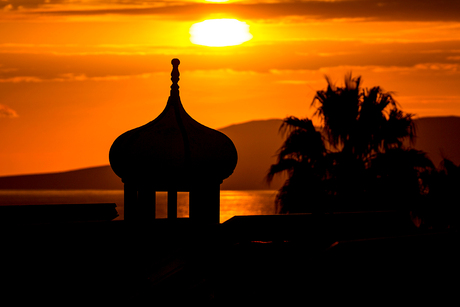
18,79
438,66
7,112
70,77
453,68
96,63
20,4
83,77
387,10
7,7
292,82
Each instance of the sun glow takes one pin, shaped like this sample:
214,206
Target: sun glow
220,32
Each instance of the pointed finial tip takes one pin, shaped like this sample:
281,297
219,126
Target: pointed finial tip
175,76
175,62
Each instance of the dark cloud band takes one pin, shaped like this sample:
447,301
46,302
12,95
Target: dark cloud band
383,10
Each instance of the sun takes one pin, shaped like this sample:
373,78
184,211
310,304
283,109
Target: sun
220,32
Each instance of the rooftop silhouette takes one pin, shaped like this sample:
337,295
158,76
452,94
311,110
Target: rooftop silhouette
77,256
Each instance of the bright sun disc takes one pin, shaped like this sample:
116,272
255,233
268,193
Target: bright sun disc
220,32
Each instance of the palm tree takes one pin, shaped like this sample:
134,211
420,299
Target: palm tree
302,156
360,127
362,122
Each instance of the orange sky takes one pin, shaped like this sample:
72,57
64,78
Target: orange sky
76,74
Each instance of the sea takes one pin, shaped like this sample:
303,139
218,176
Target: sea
232,202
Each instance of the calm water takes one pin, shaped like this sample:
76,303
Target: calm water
260,202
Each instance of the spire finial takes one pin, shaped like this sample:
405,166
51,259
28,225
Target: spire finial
175,77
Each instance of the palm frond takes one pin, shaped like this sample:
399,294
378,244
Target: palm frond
284,165
293,123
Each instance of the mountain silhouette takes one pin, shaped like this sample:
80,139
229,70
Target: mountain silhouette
257,143
99,178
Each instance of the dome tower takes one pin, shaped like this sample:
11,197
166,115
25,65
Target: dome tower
173,153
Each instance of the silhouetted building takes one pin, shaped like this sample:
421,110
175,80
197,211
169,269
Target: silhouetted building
173,153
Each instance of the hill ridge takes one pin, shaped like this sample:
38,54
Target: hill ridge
257,142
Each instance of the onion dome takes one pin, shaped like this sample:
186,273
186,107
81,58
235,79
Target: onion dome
173,150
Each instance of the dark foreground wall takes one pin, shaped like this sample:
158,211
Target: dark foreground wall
363,258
